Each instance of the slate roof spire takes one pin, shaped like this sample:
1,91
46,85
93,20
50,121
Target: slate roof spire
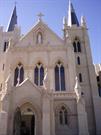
13,20
72,18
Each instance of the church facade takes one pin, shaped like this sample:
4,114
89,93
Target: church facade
47,83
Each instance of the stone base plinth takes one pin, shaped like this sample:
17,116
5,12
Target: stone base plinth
3,123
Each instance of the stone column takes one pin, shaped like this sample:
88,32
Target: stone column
3,123
82,118
82,115
5,106
52,115
51,77
68,88
46,115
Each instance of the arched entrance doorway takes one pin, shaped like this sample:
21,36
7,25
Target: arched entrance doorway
24,121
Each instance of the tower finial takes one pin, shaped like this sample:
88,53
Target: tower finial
83,22
64,26
64,21
72,18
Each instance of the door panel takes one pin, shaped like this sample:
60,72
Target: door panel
17,122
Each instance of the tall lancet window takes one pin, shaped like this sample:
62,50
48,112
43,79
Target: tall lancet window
6,43
77,45
18,74
39,74
63,116
78,60
39,39
80,78
59,77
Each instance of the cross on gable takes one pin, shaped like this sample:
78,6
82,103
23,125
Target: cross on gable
40,15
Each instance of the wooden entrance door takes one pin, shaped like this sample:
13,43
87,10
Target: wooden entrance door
33,125
17,122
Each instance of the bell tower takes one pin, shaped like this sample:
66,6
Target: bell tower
80,44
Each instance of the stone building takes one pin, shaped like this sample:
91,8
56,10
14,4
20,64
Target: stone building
48,83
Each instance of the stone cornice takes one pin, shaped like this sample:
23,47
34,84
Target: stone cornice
40,48
64,95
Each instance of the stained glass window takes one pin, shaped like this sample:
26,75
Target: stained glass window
39,74
59,77
63,116
18,74
77,45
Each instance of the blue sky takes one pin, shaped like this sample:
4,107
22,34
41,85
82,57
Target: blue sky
53,11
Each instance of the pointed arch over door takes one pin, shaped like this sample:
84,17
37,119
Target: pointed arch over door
24,122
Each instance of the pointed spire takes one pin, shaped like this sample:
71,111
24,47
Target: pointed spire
64,22
13,20
72,18
83,21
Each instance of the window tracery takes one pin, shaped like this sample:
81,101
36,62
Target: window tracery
18,74
59,77
63,116
77,45
39,74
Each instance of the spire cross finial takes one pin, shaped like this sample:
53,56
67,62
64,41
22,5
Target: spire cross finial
40,15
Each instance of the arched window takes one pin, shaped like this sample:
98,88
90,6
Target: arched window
39,74
80,77
18,74
63,116
77,45
59,77
78,60
39,38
